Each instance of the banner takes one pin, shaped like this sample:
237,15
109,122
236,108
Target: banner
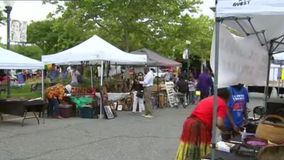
241,60
18,31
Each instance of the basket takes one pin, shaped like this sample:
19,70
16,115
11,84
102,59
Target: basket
269,131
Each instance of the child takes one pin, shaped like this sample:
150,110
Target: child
191,89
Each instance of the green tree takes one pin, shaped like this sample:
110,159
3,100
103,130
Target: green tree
41,33
32,51
199,30
122,22
72,32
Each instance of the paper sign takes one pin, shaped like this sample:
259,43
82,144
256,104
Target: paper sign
170,92
119,107
241,60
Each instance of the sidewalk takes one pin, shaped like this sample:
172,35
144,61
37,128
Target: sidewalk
7,117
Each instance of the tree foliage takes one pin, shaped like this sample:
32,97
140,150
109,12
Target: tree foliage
122,22
32,51
41,33
159,25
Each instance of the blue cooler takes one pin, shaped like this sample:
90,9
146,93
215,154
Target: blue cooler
86,112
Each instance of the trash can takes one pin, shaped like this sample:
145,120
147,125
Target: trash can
65,110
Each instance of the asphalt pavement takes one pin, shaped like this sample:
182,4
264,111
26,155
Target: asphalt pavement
127,137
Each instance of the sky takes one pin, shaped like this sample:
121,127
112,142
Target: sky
35,10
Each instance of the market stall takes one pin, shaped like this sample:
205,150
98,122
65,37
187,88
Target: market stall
261,25
16,106
247,144
160,95
94,50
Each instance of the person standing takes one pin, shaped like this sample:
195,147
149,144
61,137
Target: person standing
138,93
74,77
182,86
53,74
204,84
147,84
237,109
191,90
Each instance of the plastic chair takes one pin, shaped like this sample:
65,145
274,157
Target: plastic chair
21,79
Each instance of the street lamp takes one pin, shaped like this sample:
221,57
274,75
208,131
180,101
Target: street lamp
8,8
188,53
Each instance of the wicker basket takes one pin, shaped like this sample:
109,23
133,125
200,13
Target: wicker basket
269,131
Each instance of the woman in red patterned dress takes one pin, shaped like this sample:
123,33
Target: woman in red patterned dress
196,135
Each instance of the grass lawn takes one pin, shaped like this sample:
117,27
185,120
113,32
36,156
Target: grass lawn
24,91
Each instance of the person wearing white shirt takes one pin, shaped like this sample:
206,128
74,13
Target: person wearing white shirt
147,84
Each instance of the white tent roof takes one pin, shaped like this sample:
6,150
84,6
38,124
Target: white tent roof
263,19
279,56
13,60
94,49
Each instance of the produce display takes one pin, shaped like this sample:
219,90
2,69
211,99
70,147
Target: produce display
80,90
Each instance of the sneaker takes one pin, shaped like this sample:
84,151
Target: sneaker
143,115
148,116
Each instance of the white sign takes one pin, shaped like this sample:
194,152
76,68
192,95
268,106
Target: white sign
18,31
241,59
171,92
227,8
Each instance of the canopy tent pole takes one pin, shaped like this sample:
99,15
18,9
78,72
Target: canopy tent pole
42,92
267,81
158,84
101,87
92,83
216,70
279,79
268,72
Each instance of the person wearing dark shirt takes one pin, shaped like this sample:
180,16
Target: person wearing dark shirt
137,89
204,84
182,86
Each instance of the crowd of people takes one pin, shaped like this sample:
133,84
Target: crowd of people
142,90
197,129
189,85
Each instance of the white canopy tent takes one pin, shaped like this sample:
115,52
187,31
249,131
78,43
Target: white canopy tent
259,19
13,60
94,50
279,56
